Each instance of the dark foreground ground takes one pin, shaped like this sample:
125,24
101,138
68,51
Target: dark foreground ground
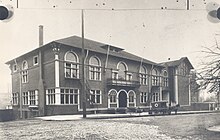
180,127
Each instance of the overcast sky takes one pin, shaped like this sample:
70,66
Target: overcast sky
154,34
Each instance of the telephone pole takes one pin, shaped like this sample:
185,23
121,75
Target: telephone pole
83,69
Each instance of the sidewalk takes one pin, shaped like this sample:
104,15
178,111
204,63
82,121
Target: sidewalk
108,116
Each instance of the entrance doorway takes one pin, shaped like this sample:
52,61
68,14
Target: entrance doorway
122,99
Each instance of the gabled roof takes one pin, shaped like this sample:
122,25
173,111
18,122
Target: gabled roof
176,63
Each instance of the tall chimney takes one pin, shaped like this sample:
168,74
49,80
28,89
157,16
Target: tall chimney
41,88
41,33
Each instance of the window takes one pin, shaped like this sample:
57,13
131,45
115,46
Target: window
95,96
69,96
131,96
71,65
143,76
25,98
143,97
155,97
155,78
15,98
122,69
165,79
35,60
51,96
114,74
112,96
33,97
129,76
94,68
24,72
14,67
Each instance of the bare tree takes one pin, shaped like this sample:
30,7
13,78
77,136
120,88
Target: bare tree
209,73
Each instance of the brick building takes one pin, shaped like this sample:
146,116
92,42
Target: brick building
47,80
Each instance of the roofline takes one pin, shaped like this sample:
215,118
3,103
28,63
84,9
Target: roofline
38,48
56,41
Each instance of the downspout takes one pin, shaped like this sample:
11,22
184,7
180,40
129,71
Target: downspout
150,83
106,62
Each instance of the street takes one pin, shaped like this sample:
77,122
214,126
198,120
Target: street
192,126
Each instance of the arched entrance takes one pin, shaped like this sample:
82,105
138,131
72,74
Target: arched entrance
122,99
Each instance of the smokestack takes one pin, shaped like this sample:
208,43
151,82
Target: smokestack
41,33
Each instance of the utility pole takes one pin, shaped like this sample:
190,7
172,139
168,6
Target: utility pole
83,69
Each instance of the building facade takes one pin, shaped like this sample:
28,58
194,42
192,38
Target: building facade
48,80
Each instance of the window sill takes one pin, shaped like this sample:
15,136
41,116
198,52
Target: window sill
71,78
95,80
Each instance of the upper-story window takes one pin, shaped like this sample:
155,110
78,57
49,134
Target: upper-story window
35,60
143,75
71,65
94,68
155,78
14,68
24,72
122,72
165,78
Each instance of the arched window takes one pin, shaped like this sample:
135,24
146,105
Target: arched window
112,96
143,75
131,96
122,71
24,65
24,72
155,78
94,68
71,65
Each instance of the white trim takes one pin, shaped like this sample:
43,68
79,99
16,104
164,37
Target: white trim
176,89
57,71
77,58
95,93
126,66
78,100
57,96
23,65
109,103
143,95
96,66
72,63
134,97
